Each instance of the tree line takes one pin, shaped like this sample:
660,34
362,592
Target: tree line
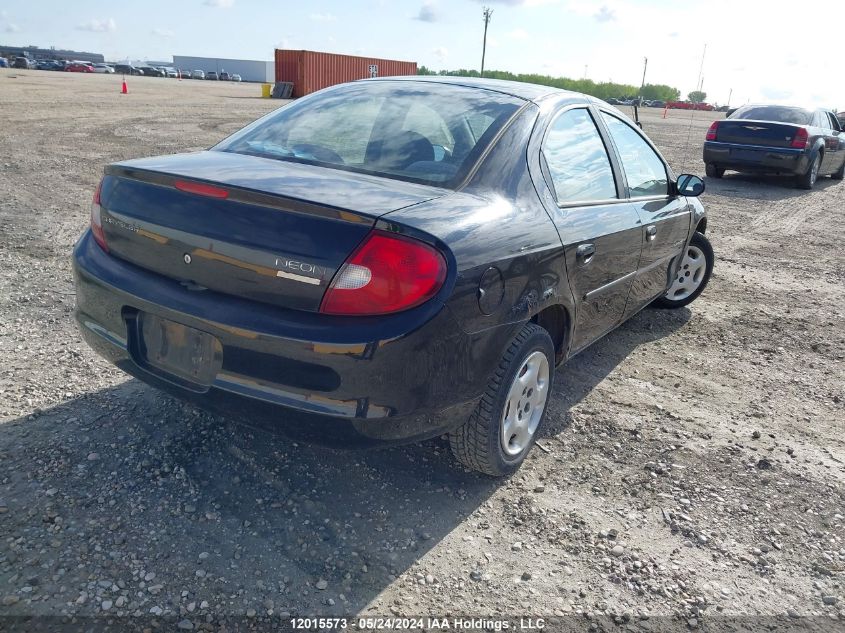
602,90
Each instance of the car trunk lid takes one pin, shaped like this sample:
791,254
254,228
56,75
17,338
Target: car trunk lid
268,230
748,132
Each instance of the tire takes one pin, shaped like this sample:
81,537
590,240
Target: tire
712,171
686,288
808,179
479,444
839,174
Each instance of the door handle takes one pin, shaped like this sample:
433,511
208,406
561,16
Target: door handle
650,232
584,253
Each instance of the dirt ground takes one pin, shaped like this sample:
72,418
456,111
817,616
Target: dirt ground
693,464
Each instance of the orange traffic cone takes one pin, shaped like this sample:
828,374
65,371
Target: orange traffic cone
123,89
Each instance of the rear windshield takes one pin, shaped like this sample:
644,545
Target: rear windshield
780,114
423,132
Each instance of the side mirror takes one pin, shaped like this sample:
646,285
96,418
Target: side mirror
689,185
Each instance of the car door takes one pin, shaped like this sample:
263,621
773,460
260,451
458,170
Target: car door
834,153
599,229
665,216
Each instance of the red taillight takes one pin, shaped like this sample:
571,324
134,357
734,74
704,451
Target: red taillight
799,141
201,189
711,133
387,273
97,220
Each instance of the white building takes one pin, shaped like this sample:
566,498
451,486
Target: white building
248,69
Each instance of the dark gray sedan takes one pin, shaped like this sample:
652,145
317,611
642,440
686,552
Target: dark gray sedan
390,260
801,143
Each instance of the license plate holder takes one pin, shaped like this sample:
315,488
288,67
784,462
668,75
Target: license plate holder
177,351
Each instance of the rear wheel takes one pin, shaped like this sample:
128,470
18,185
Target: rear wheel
692,276
808,179
839,174
712,171
501,431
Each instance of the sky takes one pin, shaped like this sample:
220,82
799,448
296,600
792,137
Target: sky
756,51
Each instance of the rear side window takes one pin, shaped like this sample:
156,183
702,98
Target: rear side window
644,169
419,131
577,159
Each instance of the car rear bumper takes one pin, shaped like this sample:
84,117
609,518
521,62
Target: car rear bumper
756,158
323,379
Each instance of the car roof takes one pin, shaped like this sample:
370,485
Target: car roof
522,90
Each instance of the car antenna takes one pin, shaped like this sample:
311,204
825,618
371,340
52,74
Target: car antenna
692,110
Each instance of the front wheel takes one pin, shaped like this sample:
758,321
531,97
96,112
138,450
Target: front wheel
692,276
504,426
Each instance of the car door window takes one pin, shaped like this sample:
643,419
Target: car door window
577,159
834,124
644,169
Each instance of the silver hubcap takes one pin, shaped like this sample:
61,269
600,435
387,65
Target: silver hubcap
689,274
525,404
815,172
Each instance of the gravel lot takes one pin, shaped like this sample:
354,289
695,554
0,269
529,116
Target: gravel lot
693,464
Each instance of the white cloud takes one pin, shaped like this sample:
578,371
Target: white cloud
323,17
98,26
428,12
518,34
219,4
163,32
605,14
441,53
517,3
12,28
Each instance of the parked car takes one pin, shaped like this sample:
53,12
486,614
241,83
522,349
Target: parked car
152,71
211,75
198,74
804,144
224,76
49,64
841,118
103,68
367,277
171,72
127,69
185,74
657,103
79,67
4,63
235,77
613,101
23,62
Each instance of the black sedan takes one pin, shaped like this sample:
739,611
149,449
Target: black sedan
802,143
152,71
390,260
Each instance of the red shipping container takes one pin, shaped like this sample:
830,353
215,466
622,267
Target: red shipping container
310,71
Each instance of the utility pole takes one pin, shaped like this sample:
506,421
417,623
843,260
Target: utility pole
730,92
645,65
642,84
585,70
488,13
